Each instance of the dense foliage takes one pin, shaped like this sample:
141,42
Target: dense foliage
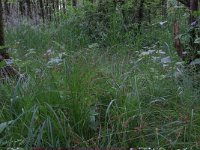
100,74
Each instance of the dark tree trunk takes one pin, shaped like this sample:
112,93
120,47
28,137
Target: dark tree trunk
22,7
41,10
193,8
6,7
29,11
177,42
64,6
140,15
47,10
74,3
192,5
149,16
57,5
50,10
2,42
164,8
193,24
3,53
49,7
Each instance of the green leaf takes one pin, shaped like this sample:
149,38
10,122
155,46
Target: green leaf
195,62
2,64
2,47
4,125
197,41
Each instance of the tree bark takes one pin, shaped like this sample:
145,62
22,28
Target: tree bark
6,7
193,24
42,10
177,42
193,8
22,7
64,6
2,41
3,53
140,15
74,3
164,8
29,11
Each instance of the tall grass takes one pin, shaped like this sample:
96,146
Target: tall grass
97,96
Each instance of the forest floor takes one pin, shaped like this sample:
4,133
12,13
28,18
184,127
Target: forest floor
84,95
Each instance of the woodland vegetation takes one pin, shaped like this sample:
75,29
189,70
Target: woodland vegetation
99,73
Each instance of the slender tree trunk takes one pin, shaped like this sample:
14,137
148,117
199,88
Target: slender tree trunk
193,23
29,11
57,5
3,53
140,15
64,6
42,10
2,42
22,7
193,8
177,42
50,10
149,16
47,9
6,7
192,5
164,8
74,3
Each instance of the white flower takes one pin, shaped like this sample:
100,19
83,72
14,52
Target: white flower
9,61
162,23
54,61
93,45
161,52
166,60
179,63
49,51
147,52
155,59
195,62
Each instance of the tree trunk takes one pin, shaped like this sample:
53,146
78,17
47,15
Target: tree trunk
164,8
177,42
74,3
192,5
2,42
42,10
3,53
22,7
29,11
193,24
140,15
6,7
64,6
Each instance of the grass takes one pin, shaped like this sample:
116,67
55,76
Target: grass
97,96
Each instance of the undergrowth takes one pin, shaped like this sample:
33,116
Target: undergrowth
87,94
